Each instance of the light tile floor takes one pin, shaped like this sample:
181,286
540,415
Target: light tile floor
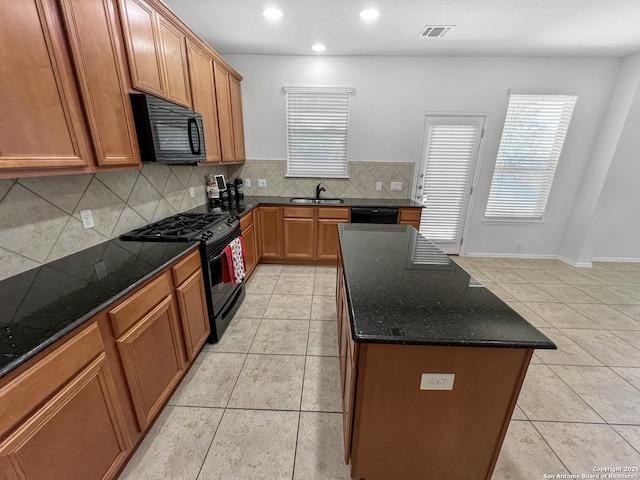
264,402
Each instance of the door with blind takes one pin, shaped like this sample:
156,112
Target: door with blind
447,164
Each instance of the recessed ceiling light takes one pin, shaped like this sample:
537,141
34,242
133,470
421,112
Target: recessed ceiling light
369,14
272,13
318,47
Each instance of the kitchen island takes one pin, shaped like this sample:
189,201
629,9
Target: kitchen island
431,361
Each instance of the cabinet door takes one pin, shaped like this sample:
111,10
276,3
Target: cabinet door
299,238
270,232
204,100
79,433
249,239
328,239
173,47
348,404
153,359
41,120
94,37
225,119
237,119
410,216
140,33
193,313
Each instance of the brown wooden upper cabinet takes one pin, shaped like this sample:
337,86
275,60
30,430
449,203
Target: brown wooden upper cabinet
157,52
229,103
41,119
203,94
43,125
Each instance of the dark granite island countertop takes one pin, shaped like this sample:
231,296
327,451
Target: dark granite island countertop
41,305
402,289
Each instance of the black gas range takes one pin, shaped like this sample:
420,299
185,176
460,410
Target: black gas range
214,231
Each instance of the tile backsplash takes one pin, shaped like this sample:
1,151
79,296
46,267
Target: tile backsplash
360,184
40,216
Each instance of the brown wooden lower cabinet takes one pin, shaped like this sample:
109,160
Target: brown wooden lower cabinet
301,234
192,302
251,240
410,216
299,238
79,408
79,433
153,359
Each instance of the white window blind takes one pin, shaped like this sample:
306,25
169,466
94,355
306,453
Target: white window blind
532,140
317,127
451,149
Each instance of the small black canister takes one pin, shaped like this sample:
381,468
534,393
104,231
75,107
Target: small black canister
224,196
232,193
239,188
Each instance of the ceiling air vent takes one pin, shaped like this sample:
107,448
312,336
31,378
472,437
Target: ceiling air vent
435,31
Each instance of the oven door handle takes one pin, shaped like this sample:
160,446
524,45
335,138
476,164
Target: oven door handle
216,258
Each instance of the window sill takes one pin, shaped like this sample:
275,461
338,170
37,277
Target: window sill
513,221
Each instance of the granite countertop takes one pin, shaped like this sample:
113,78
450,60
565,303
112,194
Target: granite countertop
42,305
402,289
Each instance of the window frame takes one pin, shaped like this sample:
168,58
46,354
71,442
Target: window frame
338,167
517,107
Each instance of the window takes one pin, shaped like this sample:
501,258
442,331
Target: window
532,140
317,126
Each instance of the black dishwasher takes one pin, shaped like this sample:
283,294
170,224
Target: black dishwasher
374,215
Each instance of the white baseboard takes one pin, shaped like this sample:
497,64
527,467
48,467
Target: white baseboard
616,259
510,255
575,264
539,257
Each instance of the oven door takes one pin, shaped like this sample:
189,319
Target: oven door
221,291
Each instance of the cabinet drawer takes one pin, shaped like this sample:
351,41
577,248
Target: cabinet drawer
341,213
138,305
410,214
298,212
185,267
245,221
30,389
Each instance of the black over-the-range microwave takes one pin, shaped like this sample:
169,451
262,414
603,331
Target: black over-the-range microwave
167,133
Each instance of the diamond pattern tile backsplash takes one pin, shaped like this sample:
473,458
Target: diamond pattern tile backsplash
360,184
40,216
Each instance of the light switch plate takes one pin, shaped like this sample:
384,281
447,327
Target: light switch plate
192,192
262,183
396,186
378,186
247,183
437,381
87,219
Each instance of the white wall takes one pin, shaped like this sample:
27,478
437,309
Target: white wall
582,230
616,222
392,93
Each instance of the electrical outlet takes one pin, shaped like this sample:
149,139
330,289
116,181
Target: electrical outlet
101,269
192,192
247,183
378,186
437,381
262,183
87,219
396,186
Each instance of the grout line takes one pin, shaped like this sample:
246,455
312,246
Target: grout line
550,447
204,459
14,181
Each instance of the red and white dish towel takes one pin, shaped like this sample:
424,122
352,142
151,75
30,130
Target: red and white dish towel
234,268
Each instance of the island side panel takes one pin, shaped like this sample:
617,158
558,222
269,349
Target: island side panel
401,431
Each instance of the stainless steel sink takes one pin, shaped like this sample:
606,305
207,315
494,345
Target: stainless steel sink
317,201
